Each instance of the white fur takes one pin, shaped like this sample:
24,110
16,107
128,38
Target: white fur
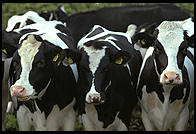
164,115
64,119
28,15
91,122
188,25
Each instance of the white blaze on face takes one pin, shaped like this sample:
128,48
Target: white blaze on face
27,52
171,35
95,56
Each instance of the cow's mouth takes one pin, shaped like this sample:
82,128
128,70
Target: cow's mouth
23,98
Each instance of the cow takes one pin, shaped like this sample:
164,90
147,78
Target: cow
118,18
45,90
166,79
108,68
30,17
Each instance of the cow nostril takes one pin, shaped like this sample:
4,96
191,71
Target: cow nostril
22,90
171,81
165,76
177,76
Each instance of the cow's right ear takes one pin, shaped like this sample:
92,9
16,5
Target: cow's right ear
70,56
145,39
9,43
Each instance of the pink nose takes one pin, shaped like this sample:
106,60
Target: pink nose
18,91
171,78
94,98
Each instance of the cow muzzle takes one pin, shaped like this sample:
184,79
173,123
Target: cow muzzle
95,98
19,92
171,78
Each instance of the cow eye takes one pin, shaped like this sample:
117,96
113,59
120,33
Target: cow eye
157,51
105,70
40,64
184,50
16,65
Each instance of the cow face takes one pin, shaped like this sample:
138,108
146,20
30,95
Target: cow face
170,43
31,67
95,65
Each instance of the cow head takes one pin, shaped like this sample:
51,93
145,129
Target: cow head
9,43
31,67
170,43
95,63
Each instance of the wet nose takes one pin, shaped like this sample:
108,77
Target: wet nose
18,91
171,78
94,98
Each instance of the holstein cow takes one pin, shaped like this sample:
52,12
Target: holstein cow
30,17
118,18
45,90
166,78
108,70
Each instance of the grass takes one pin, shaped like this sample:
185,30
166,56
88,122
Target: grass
10,9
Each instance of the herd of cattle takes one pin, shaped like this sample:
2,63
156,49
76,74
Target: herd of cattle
98,65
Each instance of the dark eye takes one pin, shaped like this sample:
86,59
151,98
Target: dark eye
40,64
184,51
16,65
157,51
105,70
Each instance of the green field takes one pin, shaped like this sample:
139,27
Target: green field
10,9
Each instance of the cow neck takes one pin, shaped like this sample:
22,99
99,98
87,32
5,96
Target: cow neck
39,96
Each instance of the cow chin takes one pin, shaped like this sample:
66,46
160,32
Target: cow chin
25,98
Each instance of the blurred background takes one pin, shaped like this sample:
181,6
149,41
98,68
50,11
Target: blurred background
10,9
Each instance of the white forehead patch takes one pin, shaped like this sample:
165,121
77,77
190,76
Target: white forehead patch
27,52
95,56
171,35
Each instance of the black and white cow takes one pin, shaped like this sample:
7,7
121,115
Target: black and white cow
30,17
118,18
166,78
108,67
45,90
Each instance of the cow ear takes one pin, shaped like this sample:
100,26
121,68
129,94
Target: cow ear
70,56
145,39
190,41
9,43
120,58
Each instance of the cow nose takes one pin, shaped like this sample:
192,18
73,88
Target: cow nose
94,98
171,78
18,91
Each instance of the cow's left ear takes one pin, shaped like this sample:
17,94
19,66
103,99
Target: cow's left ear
120,58
146,39
69,56
190,41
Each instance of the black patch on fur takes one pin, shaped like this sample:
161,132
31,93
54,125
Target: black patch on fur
95,32
63,29
29,22
68,40
28,31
